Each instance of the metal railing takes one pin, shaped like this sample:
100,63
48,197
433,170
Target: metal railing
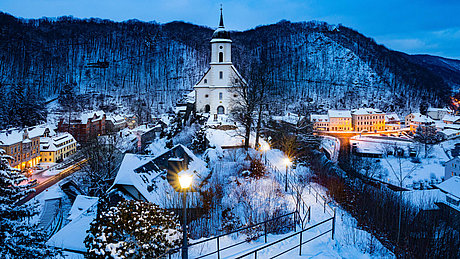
296,218
301,242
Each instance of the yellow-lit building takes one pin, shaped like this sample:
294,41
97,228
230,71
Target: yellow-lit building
23,147
57,148
368,119
320,122
339,120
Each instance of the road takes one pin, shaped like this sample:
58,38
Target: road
54,179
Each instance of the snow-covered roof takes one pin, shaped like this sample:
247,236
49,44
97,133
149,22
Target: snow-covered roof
423,119
319,117
84,117
10,137
190,97
56,143
451,186
451,118
147,174
366,111
431,109
414,114
391,117
339,114
449,132
116,119
81,204
13,136
72,235
289,117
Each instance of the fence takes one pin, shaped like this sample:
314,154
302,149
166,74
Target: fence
295,215
301,242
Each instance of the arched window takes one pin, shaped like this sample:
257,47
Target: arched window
221,75
221,57
220,96
220,110
207,108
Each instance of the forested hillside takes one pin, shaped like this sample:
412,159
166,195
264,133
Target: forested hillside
330,66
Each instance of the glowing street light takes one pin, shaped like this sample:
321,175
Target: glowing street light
185,181
287,162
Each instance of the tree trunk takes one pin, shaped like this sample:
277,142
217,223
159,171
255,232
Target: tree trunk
259,122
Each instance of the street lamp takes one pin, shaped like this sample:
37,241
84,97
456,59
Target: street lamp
185,181
287,162
265,148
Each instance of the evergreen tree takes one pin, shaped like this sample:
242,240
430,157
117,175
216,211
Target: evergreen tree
199,142
19,238
133,229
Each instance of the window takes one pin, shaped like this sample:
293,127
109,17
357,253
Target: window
220,96
220,110
207,108
221,75
220,47
205,81
221,57
206,95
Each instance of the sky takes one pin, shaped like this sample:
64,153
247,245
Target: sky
412,26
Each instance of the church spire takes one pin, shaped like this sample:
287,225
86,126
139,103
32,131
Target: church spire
221,23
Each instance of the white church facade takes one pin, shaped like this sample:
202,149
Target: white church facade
215,92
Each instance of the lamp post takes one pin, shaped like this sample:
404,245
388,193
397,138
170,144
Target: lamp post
185,182
287,161
265,148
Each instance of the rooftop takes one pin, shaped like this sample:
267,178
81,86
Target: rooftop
339,114
366,111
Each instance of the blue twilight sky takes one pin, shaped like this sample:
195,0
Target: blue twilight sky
412,26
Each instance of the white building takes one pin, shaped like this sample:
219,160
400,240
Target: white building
452,168
437,113
216,92
451,188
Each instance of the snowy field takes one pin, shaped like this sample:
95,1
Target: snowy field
414,172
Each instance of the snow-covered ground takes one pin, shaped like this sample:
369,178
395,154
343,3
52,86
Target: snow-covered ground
425,171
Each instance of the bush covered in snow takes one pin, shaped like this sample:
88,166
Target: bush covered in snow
133,229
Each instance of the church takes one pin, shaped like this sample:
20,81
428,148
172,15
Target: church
215,92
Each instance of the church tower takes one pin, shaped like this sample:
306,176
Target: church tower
215,92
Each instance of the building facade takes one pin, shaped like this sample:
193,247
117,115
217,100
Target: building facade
216,93
57,148
368,119
452,168
23,147
320,122
421,121
84,126
340,120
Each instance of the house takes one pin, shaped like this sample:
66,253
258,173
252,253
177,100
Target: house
116,123
392,121
23,147
451,189
217,91
85,126
408,119
339,120
451,119
368,119
320,122
57,148
422,121
143,177
437,113
452,168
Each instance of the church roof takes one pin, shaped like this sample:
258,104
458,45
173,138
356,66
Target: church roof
221,33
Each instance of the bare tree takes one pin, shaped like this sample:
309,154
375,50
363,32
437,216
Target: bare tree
103,160
401,174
